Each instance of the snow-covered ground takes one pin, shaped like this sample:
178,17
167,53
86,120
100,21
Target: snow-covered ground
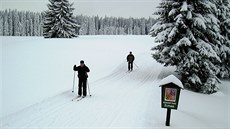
37,79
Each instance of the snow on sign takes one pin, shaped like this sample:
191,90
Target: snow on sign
171,87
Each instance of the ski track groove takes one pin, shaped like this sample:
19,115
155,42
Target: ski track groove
131,93
50,113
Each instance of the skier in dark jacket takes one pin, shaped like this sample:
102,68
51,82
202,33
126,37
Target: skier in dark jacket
130,59
82,75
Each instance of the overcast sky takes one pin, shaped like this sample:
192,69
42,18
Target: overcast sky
117,8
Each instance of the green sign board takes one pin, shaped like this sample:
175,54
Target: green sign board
170,96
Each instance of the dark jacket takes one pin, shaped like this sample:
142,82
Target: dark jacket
82,71
130,58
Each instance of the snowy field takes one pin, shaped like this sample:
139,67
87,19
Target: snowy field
37,76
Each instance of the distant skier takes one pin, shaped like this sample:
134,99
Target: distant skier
82,75
130,59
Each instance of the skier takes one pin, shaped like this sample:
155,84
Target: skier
130,59
82,75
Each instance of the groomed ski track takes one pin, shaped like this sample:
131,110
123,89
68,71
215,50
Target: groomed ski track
119,100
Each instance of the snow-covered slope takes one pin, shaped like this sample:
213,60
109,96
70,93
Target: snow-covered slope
37,82
1,103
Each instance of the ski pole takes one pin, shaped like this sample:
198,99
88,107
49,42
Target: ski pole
73,81
88,88
135,65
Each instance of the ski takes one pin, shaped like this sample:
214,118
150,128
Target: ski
76,98
129,71
79,98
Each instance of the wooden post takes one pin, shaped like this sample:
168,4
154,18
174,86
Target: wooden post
168,117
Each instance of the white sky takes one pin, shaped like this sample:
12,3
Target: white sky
118,8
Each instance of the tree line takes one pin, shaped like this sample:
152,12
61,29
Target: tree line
27,23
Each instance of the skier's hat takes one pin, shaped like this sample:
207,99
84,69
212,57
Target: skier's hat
82,62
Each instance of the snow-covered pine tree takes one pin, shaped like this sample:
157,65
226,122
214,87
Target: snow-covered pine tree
59,21
1,24
97,25
224,51
36,24
137,30
101,26
188,33
149,24
91,26
130,26
10,22
5,24
22,23
143,26
27,26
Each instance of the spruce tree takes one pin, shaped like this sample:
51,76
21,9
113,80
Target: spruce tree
59,21
224,51
5,24
188,33
1,25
